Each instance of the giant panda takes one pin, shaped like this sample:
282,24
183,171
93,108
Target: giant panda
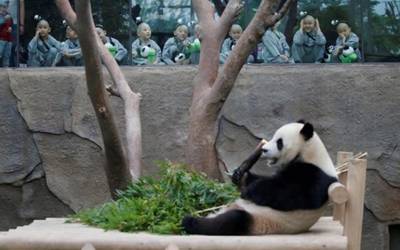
289,202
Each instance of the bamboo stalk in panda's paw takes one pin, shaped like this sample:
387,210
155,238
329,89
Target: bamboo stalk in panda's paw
253,158
240,172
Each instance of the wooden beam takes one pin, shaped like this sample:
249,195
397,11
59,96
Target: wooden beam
338,209
355,206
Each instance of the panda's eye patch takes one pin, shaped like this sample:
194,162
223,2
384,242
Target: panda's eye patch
279,144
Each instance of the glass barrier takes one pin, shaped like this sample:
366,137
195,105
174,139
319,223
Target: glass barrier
376,23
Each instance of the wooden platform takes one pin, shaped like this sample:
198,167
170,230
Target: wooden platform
54,234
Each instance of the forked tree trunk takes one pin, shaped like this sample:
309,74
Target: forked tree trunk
201,152
120,170
212,87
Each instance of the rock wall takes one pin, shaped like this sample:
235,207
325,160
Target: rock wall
51,151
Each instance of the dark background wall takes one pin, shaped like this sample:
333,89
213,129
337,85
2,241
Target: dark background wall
51,159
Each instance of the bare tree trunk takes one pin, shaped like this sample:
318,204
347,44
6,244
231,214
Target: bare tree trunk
212,87
119,170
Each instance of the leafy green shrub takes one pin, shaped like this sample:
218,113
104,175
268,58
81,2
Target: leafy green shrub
158,206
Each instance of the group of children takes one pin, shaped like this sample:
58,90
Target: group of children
179,49
309,45
45,51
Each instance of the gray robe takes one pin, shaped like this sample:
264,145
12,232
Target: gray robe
275,45
121,51
308,47
5,45
72,54
137,59
351,41
226,49
172,48
5,53
194,57
44,53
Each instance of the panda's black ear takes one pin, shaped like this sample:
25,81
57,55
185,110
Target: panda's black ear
301,121
307,131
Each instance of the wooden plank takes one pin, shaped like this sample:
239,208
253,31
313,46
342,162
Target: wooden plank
355,206
339,209
325,234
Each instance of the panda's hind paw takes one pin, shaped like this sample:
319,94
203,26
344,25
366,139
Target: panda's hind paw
190,224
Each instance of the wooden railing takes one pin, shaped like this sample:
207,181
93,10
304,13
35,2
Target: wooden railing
347,196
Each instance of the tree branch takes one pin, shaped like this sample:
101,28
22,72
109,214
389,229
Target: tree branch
212,40
219,6
213,87
131,99
205,12
231,12
282,11
118,173
132,111
264,18
210,46
67,12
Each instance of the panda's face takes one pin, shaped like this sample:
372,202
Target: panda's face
287,143
348,50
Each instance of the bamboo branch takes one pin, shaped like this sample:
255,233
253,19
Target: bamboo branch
252,159
211,209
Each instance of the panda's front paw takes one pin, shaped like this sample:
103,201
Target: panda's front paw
190,224
245,194
237,176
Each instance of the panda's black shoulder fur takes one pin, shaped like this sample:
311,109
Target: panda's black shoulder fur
299,185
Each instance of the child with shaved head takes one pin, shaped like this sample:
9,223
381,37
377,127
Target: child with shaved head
144,50
71,49
44,50
308,42
346,38
229,43
175,46
275,47
114,46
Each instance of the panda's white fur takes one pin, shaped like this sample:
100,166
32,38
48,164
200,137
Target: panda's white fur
311,151
267,220
255,213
